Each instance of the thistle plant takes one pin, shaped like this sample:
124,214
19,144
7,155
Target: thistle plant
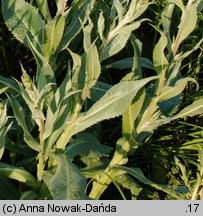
55,115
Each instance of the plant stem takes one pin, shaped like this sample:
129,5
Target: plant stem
103,180
65,137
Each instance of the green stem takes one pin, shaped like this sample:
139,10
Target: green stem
65,137
102,181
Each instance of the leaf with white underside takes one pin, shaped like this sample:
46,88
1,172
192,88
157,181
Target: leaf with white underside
92,69
159,57
67,183
19,16
101,26
115,45
172,91
44,9
20,117
195,108
189,16
18,174
52,34
119,8
112,104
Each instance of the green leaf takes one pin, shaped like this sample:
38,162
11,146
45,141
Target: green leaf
200,6
19,16
127,182
75,69
56,122
115,45
20,117
58,106
166,18
81,13
128,63
109,106
131,114
137,47
18,174
180,4
138,174
92,69
87,40
188,16
52,35
184,175
195,108
142,7
29,195
3,134
86,144
159,57
119,8
44,9
67,183
172,91
101,27
8,85
98,90
132,8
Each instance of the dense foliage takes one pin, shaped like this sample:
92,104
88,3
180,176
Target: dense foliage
101,99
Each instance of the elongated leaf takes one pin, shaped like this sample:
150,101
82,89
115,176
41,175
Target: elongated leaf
189,16
132,8
131,27
19,115
112,104
8,85
101,27
92,69
45,73
98,90
129,183
87,39
172,91
19,174
75,69
87,144
195,108
138,174
29,195
180,4
19,16
67,183
115,45
140,10
119,8
44,9
130,115
52,34
53,119
137,47
3,133
81,12
128,63
166,17
200,6
159,57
